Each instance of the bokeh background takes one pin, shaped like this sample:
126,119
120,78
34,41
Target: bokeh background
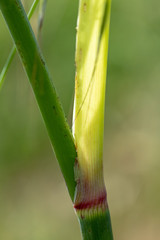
34,203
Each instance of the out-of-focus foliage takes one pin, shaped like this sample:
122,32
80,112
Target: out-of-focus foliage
34,203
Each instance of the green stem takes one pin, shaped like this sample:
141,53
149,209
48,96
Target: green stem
88,121
97,227
43,88
13,51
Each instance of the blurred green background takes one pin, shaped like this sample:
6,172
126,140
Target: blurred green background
34,203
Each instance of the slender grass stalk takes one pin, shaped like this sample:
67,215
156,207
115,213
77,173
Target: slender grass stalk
88,120
43,88
13,51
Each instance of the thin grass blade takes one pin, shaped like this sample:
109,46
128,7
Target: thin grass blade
13,51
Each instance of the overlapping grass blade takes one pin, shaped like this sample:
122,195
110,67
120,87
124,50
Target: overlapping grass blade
13,51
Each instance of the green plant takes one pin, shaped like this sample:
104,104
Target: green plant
80,158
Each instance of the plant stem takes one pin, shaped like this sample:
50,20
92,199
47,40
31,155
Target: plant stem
49,104
88,120
97,227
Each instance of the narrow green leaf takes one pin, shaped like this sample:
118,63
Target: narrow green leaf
42,8
47,99
13,51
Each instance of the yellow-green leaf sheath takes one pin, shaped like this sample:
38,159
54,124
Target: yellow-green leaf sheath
88,118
